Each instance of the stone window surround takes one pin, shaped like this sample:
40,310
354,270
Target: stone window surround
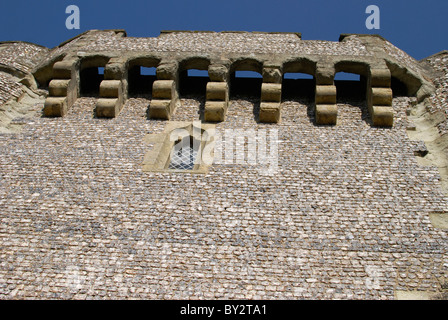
158,158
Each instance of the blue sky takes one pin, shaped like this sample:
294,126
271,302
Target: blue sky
416,26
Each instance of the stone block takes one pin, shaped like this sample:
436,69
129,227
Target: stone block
215,111
218,73
272,75
163,89
270,112
160,109
107,108
55,107
110,89
381,96
382,116
58,88
325,75
63,69
326,114
326,94
217,91
380,78
167,71
115,69
271,92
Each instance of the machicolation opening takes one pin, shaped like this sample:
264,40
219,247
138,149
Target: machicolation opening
350,87
140,81
246,79
193,82
298,86
91,74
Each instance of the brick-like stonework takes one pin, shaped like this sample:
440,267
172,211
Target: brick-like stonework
9,88
345,216
21,55
439,100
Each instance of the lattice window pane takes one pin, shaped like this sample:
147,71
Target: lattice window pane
183,156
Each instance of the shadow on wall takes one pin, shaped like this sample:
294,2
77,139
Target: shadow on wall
298,86
193,82
246,84
140,81
350,87
90,81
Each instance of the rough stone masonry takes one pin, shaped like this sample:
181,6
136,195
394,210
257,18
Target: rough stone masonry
356,210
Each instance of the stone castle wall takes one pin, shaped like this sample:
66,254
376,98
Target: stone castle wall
346,215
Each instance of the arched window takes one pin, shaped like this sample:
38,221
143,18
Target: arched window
351,80
350,86
140,80
184,154
193,76
246,78
193,82
141,76
181,148
299,79
296,85
91,74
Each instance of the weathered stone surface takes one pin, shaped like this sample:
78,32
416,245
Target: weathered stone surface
160,109
271,92
107,108
110,89
163,89
58,88
382,96
63,69
215,111
348,214
55,107
325,94
270,112
272,74
380,78
167,71
217,91
382,116
326,114
218,73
